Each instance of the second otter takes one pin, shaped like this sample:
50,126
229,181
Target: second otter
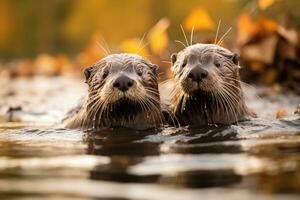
123,92
206,88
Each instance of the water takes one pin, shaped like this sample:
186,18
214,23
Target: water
238,161
257,159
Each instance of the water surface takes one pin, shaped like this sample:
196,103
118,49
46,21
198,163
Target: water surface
257,159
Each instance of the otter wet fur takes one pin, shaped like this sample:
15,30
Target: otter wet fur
206,88
123,92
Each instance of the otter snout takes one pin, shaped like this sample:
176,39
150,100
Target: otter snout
123,83
197,74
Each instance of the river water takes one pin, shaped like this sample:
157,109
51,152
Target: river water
257,159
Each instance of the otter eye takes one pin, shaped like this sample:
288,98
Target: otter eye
217,64
139,72
105,74
184,63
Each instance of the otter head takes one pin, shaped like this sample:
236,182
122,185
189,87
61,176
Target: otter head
205,67
208,88
123,91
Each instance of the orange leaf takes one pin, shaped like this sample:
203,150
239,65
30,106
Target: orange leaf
158,36
281,113
264,4
134,46
247,28
199,19
268,24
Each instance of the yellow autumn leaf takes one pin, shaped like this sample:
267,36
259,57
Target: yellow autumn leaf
264,4
134,45
247,28
158,37
199,19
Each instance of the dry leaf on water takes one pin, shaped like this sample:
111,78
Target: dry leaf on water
199,19
297,111
46,64
281,113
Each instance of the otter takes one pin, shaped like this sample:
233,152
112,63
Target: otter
122,92
206,88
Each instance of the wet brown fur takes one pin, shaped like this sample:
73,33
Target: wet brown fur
106,106
216,99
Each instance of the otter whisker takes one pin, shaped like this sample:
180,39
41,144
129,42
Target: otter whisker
144,46
178,41
107,46
192,34
216,101
141,41
158,111
233,93
103,49
221,97
229,103
186,40
100,109
148,110
95,112
217,33
165,61
223,37
152,92
241,82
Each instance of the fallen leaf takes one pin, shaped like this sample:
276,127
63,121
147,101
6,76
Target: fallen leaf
297,111
23,68
281,113
263,51
199,19
276,88
64,64
158,36
291,35
46,65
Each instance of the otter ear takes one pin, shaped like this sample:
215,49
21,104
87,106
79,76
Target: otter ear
173,58
87,73
154,68
235,58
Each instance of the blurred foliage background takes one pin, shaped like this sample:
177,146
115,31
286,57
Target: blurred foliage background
52,37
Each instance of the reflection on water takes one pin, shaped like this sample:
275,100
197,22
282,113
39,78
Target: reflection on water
254,159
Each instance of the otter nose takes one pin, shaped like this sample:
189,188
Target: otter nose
123,83
197,74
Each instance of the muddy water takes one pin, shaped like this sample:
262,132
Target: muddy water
254,159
